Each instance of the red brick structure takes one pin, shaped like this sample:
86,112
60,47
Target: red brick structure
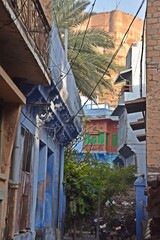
153,84
153,116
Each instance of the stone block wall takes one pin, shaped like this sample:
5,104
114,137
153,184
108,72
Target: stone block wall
153,85
116,23
153,116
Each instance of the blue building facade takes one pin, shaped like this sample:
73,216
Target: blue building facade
38,118
38,164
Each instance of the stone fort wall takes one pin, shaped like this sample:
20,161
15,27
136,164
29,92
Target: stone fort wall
116,24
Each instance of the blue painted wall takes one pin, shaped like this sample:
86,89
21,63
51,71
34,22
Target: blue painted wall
47,205
47,208
101,156
141,199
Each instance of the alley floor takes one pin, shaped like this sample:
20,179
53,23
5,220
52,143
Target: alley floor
88,236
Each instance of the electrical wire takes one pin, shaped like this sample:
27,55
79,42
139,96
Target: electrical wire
26,117
91,10
113,57
85,32
142,52
117,5
66,73
79,30
13,20
57,65
140,56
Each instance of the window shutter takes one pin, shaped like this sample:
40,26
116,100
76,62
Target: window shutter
114,140
101,138
87,138
93,140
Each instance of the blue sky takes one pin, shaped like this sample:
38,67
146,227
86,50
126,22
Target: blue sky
128,6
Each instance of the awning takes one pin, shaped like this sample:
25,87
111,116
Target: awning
124,75
141,137
8,90
118,110
126,151
136,105
137,125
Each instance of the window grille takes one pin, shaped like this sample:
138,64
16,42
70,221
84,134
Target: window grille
0,132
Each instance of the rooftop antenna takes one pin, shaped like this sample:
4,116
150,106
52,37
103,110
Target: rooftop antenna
117,4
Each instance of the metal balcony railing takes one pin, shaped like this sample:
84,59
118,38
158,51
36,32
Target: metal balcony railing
30,12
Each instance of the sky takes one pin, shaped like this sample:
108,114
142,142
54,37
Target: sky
128,6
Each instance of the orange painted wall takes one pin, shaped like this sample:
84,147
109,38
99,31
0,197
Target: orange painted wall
96,126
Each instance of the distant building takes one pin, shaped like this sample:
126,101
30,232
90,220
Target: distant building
100,133
131,145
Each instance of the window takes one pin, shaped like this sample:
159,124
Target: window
27,149
0,213
101,138
87,138
114,140
25,192
0,130
93,140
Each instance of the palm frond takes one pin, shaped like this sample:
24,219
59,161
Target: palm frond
70,13
88,65
94,37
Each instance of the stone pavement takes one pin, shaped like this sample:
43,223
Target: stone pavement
88,236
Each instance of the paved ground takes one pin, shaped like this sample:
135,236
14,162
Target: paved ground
92,237
87,236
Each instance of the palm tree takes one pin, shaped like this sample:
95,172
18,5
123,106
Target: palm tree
88,64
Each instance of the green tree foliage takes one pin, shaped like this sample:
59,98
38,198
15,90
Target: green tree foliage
84,180
88,65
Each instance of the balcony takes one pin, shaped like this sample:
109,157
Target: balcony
24,41
8,88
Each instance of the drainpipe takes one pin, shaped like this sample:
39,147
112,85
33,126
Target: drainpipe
16,157
60,196
14,186
141,60
140,185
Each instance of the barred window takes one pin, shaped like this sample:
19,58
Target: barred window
0,132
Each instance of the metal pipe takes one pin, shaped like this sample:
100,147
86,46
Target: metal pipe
16,157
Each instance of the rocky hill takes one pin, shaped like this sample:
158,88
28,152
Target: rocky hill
116,23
